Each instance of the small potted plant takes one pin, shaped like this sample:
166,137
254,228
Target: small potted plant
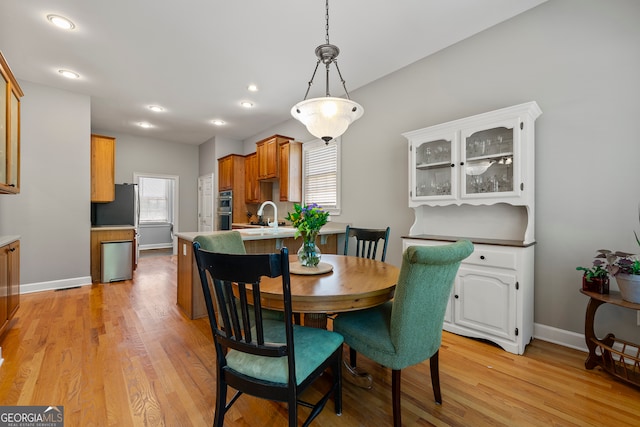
595,278
625,267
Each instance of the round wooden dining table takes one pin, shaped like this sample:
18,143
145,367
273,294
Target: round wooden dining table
353,284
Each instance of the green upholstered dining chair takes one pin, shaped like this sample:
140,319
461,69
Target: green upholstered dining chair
367,241
408,329
263,357
225,243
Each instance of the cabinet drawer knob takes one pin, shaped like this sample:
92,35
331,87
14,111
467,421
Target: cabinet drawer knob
461,164
453,165
481,256
456,296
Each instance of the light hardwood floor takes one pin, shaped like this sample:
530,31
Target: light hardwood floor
122,354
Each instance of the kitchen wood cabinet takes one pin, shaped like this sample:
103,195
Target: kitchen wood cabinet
103,155
103,234
9,283
231,176
10,94
268,156
492,296
290,159
255,191
226,166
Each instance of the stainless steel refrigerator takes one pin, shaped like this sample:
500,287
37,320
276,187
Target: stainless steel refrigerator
124,210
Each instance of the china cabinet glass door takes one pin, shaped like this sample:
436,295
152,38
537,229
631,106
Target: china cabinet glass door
434,172
490,160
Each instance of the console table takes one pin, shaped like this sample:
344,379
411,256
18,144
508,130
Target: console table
618,357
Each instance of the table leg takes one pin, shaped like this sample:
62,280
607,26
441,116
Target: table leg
316,320
589,333
356,376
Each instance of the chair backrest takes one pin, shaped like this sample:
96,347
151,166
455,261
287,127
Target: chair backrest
240,324
367,241
423,290
225,243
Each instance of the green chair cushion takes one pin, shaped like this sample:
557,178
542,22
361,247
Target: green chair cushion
312,347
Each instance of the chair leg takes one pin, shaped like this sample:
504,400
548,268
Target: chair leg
395,397
435,377
221,402
352,357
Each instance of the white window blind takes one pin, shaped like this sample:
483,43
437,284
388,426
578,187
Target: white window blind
154,200
321,174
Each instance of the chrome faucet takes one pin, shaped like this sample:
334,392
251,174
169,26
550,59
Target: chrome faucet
273,224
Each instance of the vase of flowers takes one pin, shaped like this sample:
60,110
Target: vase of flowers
308,220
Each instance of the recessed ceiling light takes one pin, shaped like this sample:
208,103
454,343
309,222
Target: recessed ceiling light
156,108
61,22
69,74
218,122
246,104
145,125
252,88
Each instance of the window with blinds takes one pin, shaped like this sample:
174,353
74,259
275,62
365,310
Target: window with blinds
155,199
321,166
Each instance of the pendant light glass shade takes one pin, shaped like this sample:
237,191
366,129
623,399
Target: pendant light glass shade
328,117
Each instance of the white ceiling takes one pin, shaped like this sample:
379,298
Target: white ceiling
197,57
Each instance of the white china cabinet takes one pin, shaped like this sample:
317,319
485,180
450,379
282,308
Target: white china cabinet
473,179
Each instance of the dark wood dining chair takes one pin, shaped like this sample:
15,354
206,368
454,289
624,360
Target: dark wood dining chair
263,357
367,240
408,329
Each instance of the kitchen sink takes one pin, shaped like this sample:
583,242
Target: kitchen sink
267,230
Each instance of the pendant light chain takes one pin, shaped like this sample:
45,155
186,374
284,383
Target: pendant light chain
327,18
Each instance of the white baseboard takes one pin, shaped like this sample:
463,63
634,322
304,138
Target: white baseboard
560,336
156,246
55,284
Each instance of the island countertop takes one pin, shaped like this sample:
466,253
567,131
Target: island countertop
264,233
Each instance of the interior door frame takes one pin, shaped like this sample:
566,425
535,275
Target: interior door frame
176,199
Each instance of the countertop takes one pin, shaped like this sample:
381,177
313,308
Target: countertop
264,233
5,240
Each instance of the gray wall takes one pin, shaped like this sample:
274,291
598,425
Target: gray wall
152,156
579,59
52,212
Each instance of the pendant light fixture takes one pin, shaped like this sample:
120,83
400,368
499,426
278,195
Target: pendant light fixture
327,117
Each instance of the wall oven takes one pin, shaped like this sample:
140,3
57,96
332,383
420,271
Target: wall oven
225,210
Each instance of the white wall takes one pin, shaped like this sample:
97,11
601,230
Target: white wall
579,59
52,212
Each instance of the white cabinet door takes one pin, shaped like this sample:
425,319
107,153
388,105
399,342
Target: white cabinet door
485,300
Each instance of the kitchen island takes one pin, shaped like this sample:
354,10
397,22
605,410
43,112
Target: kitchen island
256,240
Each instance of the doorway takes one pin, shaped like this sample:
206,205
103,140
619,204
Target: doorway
158,204
205,203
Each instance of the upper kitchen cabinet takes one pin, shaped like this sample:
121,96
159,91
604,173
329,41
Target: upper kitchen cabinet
255,191
10,94
103,154
268,153
290,159
231,173
479,160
